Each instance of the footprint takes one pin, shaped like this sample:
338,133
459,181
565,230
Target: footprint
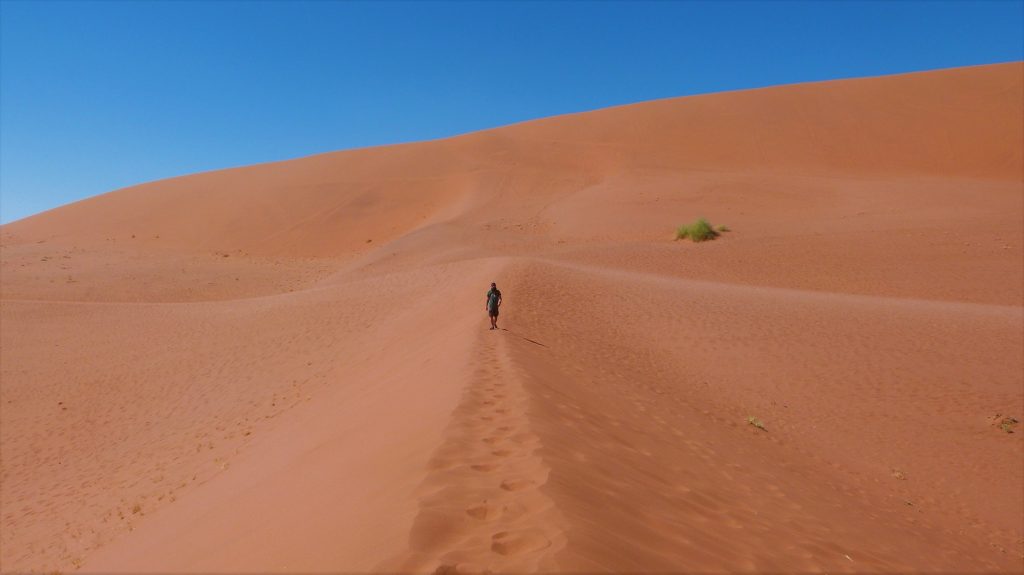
484,512
484,467
491,440
517,484
518,542
501,452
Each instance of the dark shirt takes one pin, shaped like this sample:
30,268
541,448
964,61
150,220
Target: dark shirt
493,296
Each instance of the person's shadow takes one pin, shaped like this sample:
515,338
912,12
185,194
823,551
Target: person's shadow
522,337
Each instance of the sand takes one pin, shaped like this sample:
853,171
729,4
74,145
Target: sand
287,367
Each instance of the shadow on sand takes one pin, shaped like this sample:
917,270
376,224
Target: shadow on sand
522,337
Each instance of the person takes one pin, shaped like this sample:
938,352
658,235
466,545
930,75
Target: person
493,303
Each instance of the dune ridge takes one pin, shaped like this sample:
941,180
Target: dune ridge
286,367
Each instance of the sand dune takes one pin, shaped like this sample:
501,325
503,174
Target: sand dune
286,367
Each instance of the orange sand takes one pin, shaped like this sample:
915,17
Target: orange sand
286,367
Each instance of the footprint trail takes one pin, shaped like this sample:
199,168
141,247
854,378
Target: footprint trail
482,507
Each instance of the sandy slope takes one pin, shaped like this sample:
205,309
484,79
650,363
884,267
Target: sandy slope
286,367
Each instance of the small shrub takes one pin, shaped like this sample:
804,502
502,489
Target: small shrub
698,231
756,423
724,229
1005,423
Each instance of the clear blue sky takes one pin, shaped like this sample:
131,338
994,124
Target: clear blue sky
97,96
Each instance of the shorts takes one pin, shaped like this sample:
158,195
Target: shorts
493,312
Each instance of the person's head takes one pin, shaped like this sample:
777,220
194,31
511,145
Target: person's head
494,285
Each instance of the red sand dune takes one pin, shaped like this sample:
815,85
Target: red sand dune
286,367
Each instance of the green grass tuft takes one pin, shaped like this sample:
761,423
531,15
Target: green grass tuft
724,229
698,231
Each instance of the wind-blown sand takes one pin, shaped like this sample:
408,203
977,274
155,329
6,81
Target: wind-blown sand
287,367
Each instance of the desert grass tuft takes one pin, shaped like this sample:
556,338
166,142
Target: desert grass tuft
698,231
756,423
1007,424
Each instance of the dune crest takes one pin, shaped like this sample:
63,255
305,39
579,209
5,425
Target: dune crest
287,367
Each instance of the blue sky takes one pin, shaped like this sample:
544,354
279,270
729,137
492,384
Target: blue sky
97,96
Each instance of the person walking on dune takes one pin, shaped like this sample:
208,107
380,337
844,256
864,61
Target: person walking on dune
492,305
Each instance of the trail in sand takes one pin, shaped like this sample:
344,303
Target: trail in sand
286,367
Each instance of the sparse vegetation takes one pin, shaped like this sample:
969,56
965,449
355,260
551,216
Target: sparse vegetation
723,229
1007,424
756,423
699,231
